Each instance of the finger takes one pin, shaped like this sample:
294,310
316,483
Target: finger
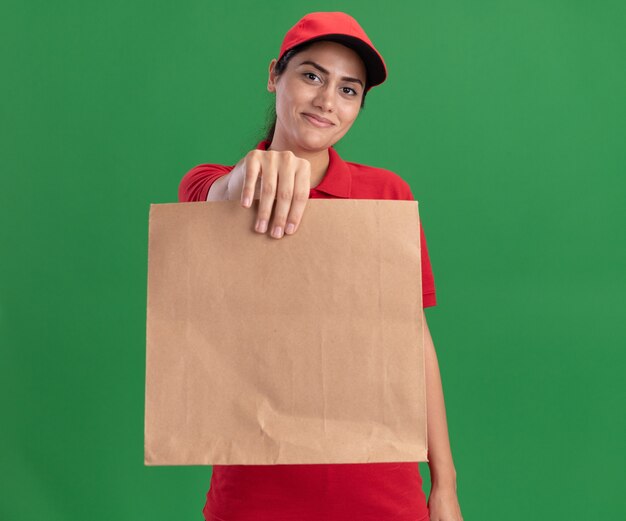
251,169
284,196
269,174
301,193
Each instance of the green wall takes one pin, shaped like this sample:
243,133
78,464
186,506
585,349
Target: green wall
506,117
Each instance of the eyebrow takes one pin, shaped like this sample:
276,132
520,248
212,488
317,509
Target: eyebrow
318,66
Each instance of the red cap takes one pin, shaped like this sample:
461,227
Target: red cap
342,28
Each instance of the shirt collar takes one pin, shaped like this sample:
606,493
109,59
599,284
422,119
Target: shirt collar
338,178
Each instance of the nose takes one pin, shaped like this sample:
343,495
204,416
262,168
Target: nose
325,99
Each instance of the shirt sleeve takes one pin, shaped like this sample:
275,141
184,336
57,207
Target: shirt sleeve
429,297
195,184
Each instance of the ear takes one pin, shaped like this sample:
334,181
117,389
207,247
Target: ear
271,81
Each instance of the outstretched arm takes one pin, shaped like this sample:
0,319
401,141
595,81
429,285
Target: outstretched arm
442,502
199,181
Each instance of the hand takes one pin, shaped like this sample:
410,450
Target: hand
443,504
283,177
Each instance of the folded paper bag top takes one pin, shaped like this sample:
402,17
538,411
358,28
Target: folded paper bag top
305,349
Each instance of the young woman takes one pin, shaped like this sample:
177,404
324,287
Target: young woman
325,67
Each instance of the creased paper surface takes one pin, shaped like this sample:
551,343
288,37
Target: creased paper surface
304,349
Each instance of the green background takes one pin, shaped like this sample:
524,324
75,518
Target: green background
506,117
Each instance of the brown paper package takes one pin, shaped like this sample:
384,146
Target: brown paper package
304,349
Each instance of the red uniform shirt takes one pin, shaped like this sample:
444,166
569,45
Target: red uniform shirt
320,492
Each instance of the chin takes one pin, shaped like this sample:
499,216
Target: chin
315,142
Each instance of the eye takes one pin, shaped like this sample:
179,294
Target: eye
307,74
350,88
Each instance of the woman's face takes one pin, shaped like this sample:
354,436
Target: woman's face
325,80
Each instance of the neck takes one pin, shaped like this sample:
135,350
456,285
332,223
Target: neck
319,159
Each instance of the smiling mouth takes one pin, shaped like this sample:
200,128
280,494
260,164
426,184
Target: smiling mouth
316,122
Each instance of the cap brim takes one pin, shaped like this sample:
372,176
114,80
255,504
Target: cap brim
376,70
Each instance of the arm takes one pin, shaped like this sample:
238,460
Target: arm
442,469
200,181
219,189
440,462
208,182
223,188
443,503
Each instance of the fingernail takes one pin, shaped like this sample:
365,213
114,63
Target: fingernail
277,232
246,201
290,228
261,225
